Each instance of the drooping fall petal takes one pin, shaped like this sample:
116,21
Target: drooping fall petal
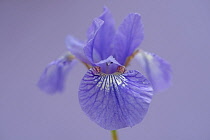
157,69
117,100
53,78
76,48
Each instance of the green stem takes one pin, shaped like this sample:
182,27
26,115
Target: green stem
114,135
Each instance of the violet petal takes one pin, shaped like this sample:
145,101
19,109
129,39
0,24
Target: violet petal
89,48
157,69
76,48
129,36
115,101
105,35
53,78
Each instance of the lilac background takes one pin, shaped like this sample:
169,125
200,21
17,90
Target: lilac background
32,33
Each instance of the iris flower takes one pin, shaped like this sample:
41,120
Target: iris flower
111,95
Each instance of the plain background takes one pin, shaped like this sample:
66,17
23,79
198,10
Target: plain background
32,33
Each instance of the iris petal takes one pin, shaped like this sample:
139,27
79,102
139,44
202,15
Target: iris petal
89,48
76,48
53,78
117,100
105,35
157,69
128,37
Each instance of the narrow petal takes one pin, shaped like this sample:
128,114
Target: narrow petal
117,100
89,48
105,35
157,70
53,78
128,37
76,48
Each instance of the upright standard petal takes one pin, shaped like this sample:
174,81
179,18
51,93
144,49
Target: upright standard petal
128,37
89,48
117,100
105,35
157,70
53,78
76,48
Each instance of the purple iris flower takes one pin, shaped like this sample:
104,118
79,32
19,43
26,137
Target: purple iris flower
109,94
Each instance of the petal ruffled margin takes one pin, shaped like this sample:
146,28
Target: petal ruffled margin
105,35
157,69
89,48
129,36
117,100
53,78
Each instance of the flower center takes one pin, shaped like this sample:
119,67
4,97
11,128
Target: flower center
119,70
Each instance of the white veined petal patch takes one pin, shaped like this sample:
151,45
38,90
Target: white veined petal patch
115,100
